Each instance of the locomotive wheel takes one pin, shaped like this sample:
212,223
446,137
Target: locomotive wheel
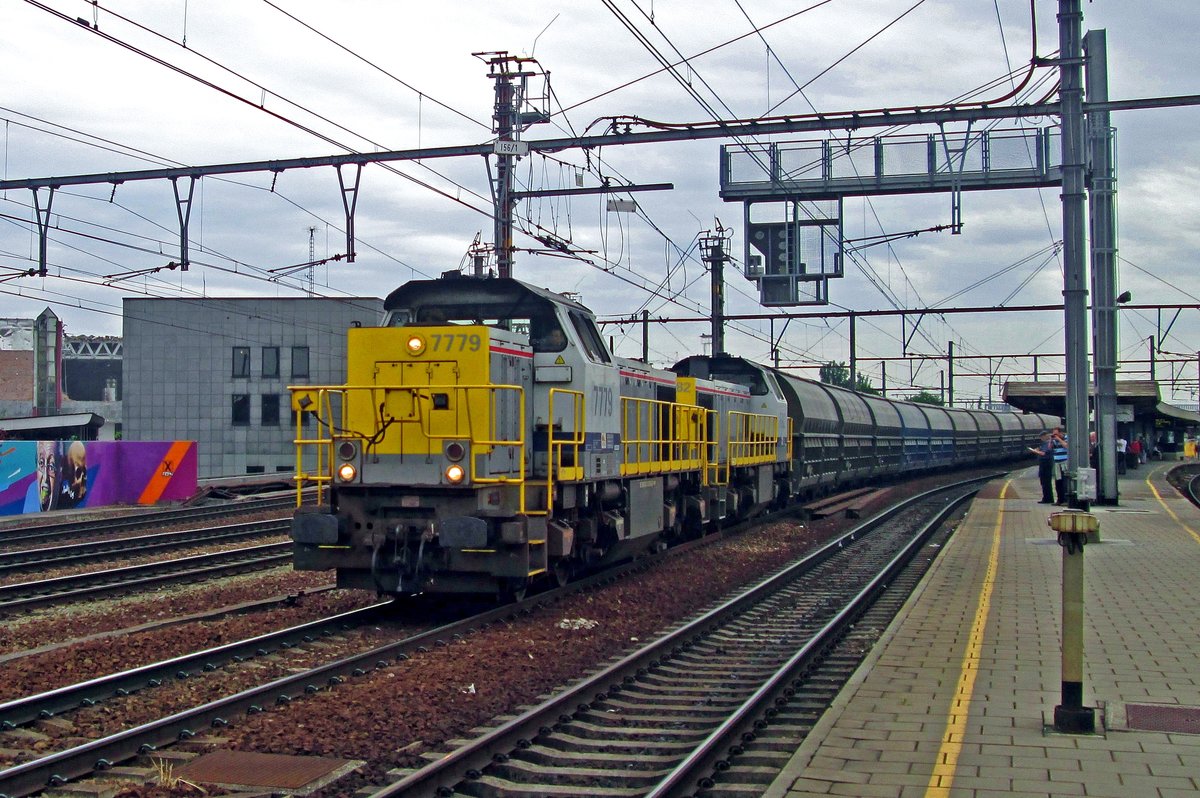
562,573
512,590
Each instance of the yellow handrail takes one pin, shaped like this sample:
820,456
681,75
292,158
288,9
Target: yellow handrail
420,399
753,438
556,446
661,437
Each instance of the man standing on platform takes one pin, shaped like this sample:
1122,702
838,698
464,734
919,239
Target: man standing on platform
1045,456
1058,445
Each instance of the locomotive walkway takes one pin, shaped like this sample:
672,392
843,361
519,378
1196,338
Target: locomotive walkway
958,698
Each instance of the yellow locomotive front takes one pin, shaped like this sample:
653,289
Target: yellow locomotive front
422,459
486,438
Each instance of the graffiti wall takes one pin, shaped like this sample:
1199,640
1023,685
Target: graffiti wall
36,476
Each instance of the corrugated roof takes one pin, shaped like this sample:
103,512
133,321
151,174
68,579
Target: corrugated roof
1126,389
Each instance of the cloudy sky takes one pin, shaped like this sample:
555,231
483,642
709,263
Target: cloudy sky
122,85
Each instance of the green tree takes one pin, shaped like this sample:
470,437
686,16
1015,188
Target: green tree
836,373
927,398
863,385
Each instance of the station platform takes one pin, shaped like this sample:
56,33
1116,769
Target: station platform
957,700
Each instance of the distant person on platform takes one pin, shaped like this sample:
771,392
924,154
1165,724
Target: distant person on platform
1145,449
1045,455
1121,447
1134,456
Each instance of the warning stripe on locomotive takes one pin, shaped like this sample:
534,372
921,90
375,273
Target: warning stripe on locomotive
501,350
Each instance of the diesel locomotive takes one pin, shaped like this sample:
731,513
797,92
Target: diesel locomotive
486,438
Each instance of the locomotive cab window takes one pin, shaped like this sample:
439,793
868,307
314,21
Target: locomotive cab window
546,334
589,336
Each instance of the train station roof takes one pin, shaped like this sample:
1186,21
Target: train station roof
1050,397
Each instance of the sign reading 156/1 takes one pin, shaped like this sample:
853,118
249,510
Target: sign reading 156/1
519,148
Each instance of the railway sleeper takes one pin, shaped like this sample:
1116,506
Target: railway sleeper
627,774
490,787
591,731
569,741
665,710
549,757
648,722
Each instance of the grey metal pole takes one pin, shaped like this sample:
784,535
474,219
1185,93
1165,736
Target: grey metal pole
1071,715
853,356
1075,290
950,372
645,336
1104,265
712,252
504,116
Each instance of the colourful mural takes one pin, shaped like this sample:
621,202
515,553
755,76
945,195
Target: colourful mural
37,476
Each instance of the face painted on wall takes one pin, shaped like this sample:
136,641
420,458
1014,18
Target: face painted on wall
47,474
74,475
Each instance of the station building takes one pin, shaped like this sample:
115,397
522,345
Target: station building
57,386
216,371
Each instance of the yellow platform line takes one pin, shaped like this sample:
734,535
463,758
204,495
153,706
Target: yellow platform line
944,766
1170,512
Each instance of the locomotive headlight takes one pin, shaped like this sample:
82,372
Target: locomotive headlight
455,473
347,472
415,345
347,450
455,451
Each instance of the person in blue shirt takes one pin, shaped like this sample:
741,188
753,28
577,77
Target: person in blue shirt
1058,444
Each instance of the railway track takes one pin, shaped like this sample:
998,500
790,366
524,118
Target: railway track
676,716
24,711
30,777
132,578
27,560
14,537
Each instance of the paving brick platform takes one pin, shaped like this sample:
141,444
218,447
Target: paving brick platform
958,698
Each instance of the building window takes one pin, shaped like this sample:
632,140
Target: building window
256,469
299,361
270,364
241,361
305,418
270,410
241,410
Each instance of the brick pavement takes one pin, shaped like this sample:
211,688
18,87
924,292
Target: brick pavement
957,702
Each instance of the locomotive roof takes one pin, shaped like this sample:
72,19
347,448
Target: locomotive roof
470,290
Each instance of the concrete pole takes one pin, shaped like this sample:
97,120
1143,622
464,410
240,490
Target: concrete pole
1104,266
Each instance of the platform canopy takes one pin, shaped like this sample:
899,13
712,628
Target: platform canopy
1141,395
82,426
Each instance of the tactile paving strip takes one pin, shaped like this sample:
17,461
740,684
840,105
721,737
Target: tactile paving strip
1163,718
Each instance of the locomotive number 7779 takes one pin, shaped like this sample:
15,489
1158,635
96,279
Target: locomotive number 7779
454,342
602,400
